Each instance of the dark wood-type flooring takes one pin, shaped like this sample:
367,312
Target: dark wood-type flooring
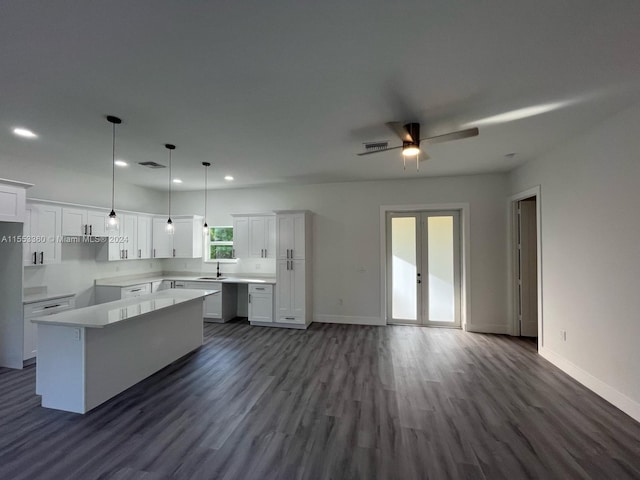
333,402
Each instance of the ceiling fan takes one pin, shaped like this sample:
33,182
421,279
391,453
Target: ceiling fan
409,133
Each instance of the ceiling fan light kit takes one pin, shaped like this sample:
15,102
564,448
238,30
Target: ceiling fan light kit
409,133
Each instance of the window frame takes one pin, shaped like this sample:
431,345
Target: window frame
208,243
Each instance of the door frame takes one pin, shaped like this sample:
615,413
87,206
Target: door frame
512,259
465,264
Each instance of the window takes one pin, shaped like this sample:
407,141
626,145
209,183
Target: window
220,244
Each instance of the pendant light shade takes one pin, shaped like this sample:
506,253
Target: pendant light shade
205,227
169,227
112,224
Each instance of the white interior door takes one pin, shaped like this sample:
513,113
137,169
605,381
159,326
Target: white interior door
423,265
527,268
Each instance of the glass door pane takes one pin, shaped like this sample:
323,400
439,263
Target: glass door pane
441,267
404,295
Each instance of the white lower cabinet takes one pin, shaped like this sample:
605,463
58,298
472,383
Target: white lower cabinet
41,309
260,303
220,307
291,292
107,293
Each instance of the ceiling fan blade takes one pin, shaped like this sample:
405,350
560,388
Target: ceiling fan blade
447,137
400,131
378,151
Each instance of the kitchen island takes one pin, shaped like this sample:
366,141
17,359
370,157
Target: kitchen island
89,355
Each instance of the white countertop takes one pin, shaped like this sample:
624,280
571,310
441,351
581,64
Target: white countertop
105,314
185,277
41,297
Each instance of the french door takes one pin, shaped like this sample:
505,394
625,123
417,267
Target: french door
423,268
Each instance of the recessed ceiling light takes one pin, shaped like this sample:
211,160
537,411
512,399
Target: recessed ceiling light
517,114
177,180
121,163
228,178
24,132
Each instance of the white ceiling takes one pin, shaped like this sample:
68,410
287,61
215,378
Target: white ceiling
287,91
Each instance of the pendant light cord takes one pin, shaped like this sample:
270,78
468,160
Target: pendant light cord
169,183
113,169
205,193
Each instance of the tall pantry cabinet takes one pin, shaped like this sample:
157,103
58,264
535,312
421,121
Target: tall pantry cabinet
294,307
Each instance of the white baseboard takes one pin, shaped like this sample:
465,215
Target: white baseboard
490,328
348,320
606,391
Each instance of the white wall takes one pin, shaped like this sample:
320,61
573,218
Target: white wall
591,256
79,267
346,238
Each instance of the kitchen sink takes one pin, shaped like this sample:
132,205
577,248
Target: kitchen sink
212,278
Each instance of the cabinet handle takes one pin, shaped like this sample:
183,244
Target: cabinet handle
35,258
139,253
41,258
259,288
85,229
233,252
265,253
52,306
154,253
292,253
249,298
287,253
291,264
135,290
174,252
90,230
289,318
126,254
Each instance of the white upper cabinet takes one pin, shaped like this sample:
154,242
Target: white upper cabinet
78,222
291,234
187,237
162,241
185,242
129,236
240,237
12,200
254,236
42,230
143,237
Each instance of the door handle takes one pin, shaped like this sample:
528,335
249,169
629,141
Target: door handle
35,258
41,258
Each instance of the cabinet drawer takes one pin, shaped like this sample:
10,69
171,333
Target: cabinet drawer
48,307
298,320
260,288
136,290
203,285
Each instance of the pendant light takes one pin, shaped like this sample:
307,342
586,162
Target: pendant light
113,219
169,228
205,227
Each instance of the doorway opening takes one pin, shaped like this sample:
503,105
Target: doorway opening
526,265
423,268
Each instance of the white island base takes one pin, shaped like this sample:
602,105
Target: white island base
80,366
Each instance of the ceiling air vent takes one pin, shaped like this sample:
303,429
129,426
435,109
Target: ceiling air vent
375,146
151,165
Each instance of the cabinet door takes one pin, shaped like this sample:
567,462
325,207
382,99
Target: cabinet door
256,237
284,233
298,241
240,237
162,241
143,237
298,288
213,306
29,253
47,223
12,203
97,221
30,346
129,234
270,236
74,221
183,238
260,307
283,289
